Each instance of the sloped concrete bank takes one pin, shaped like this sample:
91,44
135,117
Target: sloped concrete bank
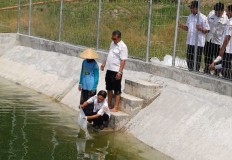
184,122
198,80
51,73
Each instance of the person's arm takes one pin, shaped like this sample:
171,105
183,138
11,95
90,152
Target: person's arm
93,117
96,77
105,59
123,56
202,29
84,104
221,52
103,64
203,26
182,26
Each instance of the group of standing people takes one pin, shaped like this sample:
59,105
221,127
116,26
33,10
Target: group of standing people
212,36
97,107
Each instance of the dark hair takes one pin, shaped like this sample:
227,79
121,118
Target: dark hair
229,7
219,6
193,4
117,33
102,93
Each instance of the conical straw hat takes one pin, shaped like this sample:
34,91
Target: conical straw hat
89,54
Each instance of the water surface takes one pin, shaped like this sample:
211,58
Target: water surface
35,127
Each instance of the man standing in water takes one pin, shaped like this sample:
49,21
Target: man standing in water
88,78
115,63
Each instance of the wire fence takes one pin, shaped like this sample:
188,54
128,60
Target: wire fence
149,27
201,53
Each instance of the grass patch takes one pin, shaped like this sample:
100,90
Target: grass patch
80,23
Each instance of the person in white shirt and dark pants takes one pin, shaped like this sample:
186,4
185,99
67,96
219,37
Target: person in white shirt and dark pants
217,19
100,114
116,60
225,53
194,27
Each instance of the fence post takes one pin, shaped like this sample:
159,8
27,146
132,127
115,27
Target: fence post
98,22
176,34
196,39
149,32
29,18
19,15
60,19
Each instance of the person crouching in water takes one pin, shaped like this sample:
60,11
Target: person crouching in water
88,78
101,112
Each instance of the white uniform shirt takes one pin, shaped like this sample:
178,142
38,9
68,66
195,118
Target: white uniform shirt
100,108
217,27
192,30
117,53
229,32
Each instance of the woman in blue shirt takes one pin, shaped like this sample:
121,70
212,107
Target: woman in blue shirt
88,78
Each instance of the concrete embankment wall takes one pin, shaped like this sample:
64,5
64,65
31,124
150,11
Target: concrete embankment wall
51,73
198,80
184,122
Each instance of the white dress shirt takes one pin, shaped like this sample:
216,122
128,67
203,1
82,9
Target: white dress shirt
228,32
217,27
117,53
192,30
100,108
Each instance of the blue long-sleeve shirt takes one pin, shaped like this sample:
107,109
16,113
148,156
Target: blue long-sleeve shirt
89,75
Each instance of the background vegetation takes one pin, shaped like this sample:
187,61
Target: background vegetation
80,23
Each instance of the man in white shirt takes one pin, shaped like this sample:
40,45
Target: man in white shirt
116,60
217,19
225,53
101,112
192,27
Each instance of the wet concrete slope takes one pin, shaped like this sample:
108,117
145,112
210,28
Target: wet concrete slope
186,123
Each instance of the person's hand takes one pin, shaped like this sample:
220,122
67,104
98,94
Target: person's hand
118,76
79,88
102,67
104,109
80,106
198,26
85,117
212,66
180,25
92,93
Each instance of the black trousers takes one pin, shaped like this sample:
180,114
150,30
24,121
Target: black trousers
85,95
99,120
190,57
211,51
112,83
226,65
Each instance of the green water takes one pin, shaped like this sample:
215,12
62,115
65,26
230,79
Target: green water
34,127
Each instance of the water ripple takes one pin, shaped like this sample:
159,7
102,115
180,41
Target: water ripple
24,136
14,137
54,142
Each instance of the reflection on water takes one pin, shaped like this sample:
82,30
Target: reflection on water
35,127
